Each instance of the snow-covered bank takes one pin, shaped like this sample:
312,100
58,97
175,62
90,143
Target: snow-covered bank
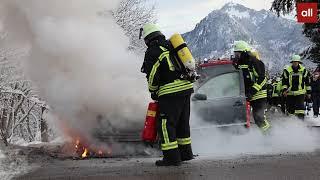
13,162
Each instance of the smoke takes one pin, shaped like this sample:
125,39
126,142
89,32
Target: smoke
79,61
287,135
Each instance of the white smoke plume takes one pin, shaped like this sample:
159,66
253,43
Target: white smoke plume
79,60
287,135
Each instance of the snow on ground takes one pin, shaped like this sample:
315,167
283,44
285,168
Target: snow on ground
12,163
312,121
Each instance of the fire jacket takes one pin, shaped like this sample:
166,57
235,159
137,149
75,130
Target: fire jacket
297,81
254,77
163,79
277,87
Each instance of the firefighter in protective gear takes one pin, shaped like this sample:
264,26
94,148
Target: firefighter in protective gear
269,93
173,95
296,84
282,98
255,82
276,93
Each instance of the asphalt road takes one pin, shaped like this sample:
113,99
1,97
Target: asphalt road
280,166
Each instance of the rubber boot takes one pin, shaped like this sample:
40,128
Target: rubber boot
170,158
300,116
186,152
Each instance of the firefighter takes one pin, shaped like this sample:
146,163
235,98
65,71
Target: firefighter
276,92
296,84
255,83
315,92
173,95
281,97
269,93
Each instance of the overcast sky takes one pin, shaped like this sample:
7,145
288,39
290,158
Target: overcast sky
182,15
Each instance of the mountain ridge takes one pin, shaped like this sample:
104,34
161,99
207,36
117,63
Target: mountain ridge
276,38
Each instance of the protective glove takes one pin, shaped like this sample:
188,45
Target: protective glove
154,96
285,93
253,91
250,93
249,96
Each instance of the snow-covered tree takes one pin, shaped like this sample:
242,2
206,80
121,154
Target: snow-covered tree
20,108
131,15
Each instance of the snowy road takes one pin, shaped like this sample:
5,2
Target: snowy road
280,166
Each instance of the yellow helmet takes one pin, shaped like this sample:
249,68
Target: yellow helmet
296,58
149,28
149,32
241,46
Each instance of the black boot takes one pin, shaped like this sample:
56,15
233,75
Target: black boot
186,152
170,158
301,116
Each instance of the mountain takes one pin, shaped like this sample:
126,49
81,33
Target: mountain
276,38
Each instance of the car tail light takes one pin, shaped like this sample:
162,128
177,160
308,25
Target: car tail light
248,114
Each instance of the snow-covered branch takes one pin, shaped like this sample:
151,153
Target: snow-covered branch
131,15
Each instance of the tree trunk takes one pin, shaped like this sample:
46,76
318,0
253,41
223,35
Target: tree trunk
30,134
3,127
44,127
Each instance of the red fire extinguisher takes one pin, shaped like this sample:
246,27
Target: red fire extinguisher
248,114
149,133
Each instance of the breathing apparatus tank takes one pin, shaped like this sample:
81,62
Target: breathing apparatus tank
184,56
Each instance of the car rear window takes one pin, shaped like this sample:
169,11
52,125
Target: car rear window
224,85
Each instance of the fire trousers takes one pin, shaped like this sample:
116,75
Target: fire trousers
295,106
276,101
259,109
174,129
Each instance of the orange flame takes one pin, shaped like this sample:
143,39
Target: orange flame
85,153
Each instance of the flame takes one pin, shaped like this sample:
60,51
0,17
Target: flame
83,150
77,143
109,152
85,153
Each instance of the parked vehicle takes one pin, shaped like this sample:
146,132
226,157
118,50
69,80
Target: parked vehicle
219,96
